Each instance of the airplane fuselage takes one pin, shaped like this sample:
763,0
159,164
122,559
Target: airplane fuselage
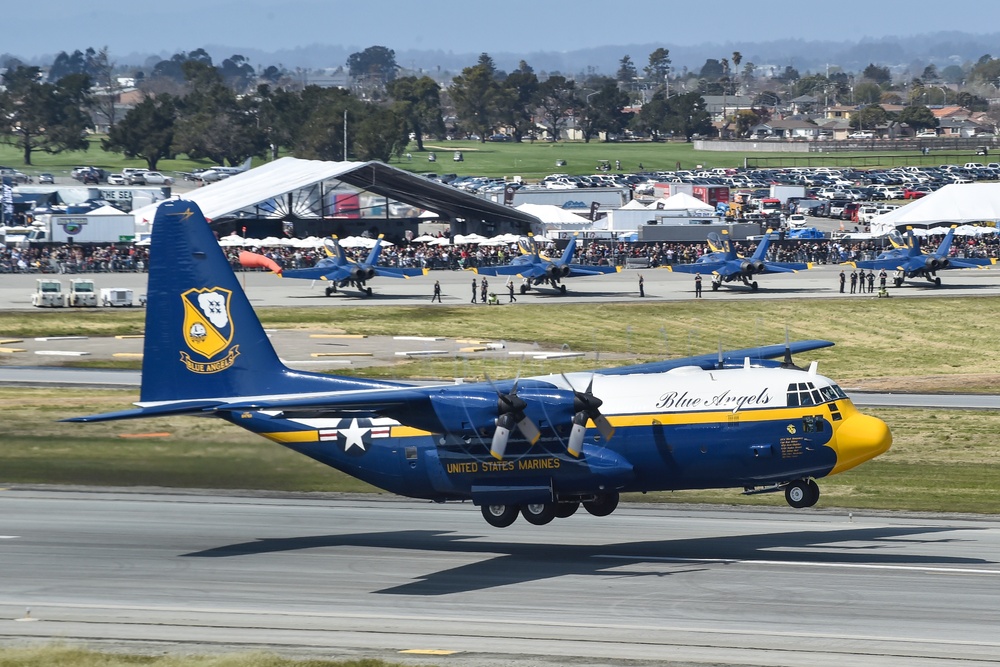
683,429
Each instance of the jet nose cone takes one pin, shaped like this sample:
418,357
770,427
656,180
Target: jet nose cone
860,438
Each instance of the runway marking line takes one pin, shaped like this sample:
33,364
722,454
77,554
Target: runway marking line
804,563
10,537
145,435
11,350
11,341
428,651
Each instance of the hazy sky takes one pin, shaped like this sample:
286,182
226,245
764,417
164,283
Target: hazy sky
457,26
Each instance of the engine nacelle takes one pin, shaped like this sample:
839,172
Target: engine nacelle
362,274
557,271
751,267
460,411
932,264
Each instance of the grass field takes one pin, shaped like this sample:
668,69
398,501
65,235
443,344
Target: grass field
529,160
47,656
926,344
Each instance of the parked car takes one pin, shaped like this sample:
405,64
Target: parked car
927,134
46,179
116,179
861,135
916,192
156,178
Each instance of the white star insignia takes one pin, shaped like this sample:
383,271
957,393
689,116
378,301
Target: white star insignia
354,436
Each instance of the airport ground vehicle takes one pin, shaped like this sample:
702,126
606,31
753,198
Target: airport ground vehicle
81,294
48,294
116,297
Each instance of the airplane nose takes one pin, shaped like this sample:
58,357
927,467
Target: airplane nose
860,438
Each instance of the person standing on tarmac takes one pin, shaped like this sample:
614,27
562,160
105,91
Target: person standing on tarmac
510,290
843,279
474,290
437,291
697,285
642,287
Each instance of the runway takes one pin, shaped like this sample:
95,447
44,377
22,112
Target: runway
341,577
265,289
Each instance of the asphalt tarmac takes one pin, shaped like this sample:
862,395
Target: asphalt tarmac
339,577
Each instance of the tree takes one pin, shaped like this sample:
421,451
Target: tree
658,70
737,59
376,64
146,131
419,103
317,122
603,112
869,118
109,90
237,73
867,92
520,92
712,70
476,96
686,115
556,96
876,74
626,70
930,73
43,116
378,134
918,116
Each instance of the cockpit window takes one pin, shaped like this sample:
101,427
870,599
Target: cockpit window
806,393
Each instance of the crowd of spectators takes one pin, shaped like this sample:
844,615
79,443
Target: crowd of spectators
133,258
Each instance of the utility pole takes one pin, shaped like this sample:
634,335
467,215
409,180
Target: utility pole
345,135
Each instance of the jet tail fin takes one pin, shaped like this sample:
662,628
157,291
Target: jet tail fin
945,246
203,339
567,256
761,252
375,251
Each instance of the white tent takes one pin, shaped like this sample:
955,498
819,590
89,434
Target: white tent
634,205
548,213
106,210
680,202
953,204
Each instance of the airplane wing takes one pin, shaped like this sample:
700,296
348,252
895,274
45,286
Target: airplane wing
970,263
586,270
728,358
704,268
525,270
318,273
891,263
786,267
393,272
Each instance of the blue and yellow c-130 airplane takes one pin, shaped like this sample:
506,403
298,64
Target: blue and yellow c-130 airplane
536,447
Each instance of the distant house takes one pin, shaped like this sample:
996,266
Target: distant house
840,112
787,128
720,107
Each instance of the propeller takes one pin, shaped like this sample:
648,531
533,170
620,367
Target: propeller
586,406
511,410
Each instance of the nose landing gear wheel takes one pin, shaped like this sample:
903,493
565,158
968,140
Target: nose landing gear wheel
802,493
500,516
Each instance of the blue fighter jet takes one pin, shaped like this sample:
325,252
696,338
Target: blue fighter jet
909,261
537,269
724,265
342,271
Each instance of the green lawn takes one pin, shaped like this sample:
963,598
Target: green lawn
530,160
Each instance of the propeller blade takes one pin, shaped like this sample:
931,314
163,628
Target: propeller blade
528,428
604,427
500,437
576,434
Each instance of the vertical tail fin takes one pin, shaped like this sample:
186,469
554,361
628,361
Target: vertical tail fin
203,339
761,252
567,256
372,260
945,246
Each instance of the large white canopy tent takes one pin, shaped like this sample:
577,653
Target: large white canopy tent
957,203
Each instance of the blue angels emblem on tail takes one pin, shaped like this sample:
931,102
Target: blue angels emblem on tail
208,330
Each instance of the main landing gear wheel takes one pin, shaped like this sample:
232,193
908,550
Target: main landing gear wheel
602,505
330,291
715,286
368,291
753,286
566,510
500,516
937,281
562,290
539,514
802,493
524,289
898,282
